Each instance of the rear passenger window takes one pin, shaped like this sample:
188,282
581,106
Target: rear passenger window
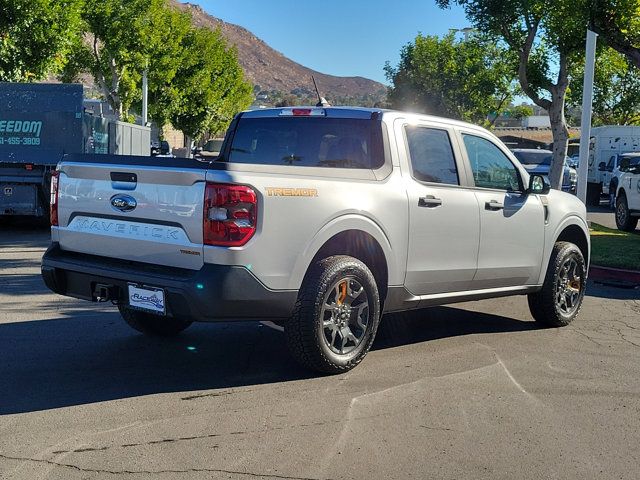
431,155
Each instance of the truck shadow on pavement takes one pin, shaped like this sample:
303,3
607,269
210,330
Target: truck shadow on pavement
22,285
93,356
24,232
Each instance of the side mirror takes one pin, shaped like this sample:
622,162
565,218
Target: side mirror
602,166
538,185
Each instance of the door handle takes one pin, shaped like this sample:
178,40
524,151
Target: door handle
429,201
493,205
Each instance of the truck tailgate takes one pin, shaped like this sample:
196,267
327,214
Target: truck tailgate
147,212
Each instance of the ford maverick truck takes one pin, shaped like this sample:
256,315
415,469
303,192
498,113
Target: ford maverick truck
320,220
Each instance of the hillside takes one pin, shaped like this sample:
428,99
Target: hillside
271,71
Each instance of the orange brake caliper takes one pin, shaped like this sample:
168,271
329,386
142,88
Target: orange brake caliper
343,292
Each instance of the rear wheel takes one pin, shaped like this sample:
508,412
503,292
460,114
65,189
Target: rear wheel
560,299
624,220
336,316
151,324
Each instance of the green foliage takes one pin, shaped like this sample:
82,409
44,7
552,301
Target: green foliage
618,24
35,37
195,81
209,86
466,80
616,89
518,112
548,37
117,36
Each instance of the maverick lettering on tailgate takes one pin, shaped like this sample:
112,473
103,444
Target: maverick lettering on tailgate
128,229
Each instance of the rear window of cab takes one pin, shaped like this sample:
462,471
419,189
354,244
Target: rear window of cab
308,142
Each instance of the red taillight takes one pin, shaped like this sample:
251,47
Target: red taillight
300,112
53,200
230,214
28,166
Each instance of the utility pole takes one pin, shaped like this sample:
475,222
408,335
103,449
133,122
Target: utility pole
145,97
585,122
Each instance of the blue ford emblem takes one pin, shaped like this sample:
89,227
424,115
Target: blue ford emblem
124,203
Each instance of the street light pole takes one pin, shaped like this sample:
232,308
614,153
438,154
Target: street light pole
585,122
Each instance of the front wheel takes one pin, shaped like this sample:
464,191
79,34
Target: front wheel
560,299
336,316
151,324
624,220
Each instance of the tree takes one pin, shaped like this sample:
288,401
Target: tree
118,41
519,111
466,80
618,23
195,81
548,37
616,89
209,83
35,37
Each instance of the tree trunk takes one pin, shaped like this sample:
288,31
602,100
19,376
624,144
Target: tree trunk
560,138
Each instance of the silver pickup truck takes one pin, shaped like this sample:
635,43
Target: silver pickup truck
321,220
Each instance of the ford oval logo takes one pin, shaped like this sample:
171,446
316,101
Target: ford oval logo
124,203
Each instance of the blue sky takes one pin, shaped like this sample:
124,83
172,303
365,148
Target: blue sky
338,37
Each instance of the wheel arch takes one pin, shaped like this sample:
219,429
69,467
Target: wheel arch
573,233
621,191
571,229
360,245
358,237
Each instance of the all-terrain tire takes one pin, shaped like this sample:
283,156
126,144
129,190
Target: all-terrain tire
151,324
544,304
305,331
624,220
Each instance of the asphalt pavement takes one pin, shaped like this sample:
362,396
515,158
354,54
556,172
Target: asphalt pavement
604,215
471,391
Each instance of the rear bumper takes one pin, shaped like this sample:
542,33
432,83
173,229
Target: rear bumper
213,293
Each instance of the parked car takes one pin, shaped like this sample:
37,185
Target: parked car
321,220
627,185
612,170
605,144
161,148
539,161
210,149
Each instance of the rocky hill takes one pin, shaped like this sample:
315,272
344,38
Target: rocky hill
276,75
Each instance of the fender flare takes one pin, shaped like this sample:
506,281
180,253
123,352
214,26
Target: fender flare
336,225
570,219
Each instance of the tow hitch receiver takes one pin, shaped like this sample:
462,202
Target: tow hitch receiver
104,293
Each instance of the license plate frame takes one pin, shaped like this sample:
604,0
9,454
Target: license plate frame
147,298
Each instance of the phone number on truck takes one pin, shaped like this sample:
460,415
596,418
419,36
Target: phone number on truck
19,141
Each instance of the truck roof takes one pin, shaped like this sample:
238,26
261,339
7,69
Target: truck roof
334,112
352,112
615,130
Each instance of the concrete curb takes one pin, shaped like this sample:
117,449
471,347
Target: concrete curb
597,272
